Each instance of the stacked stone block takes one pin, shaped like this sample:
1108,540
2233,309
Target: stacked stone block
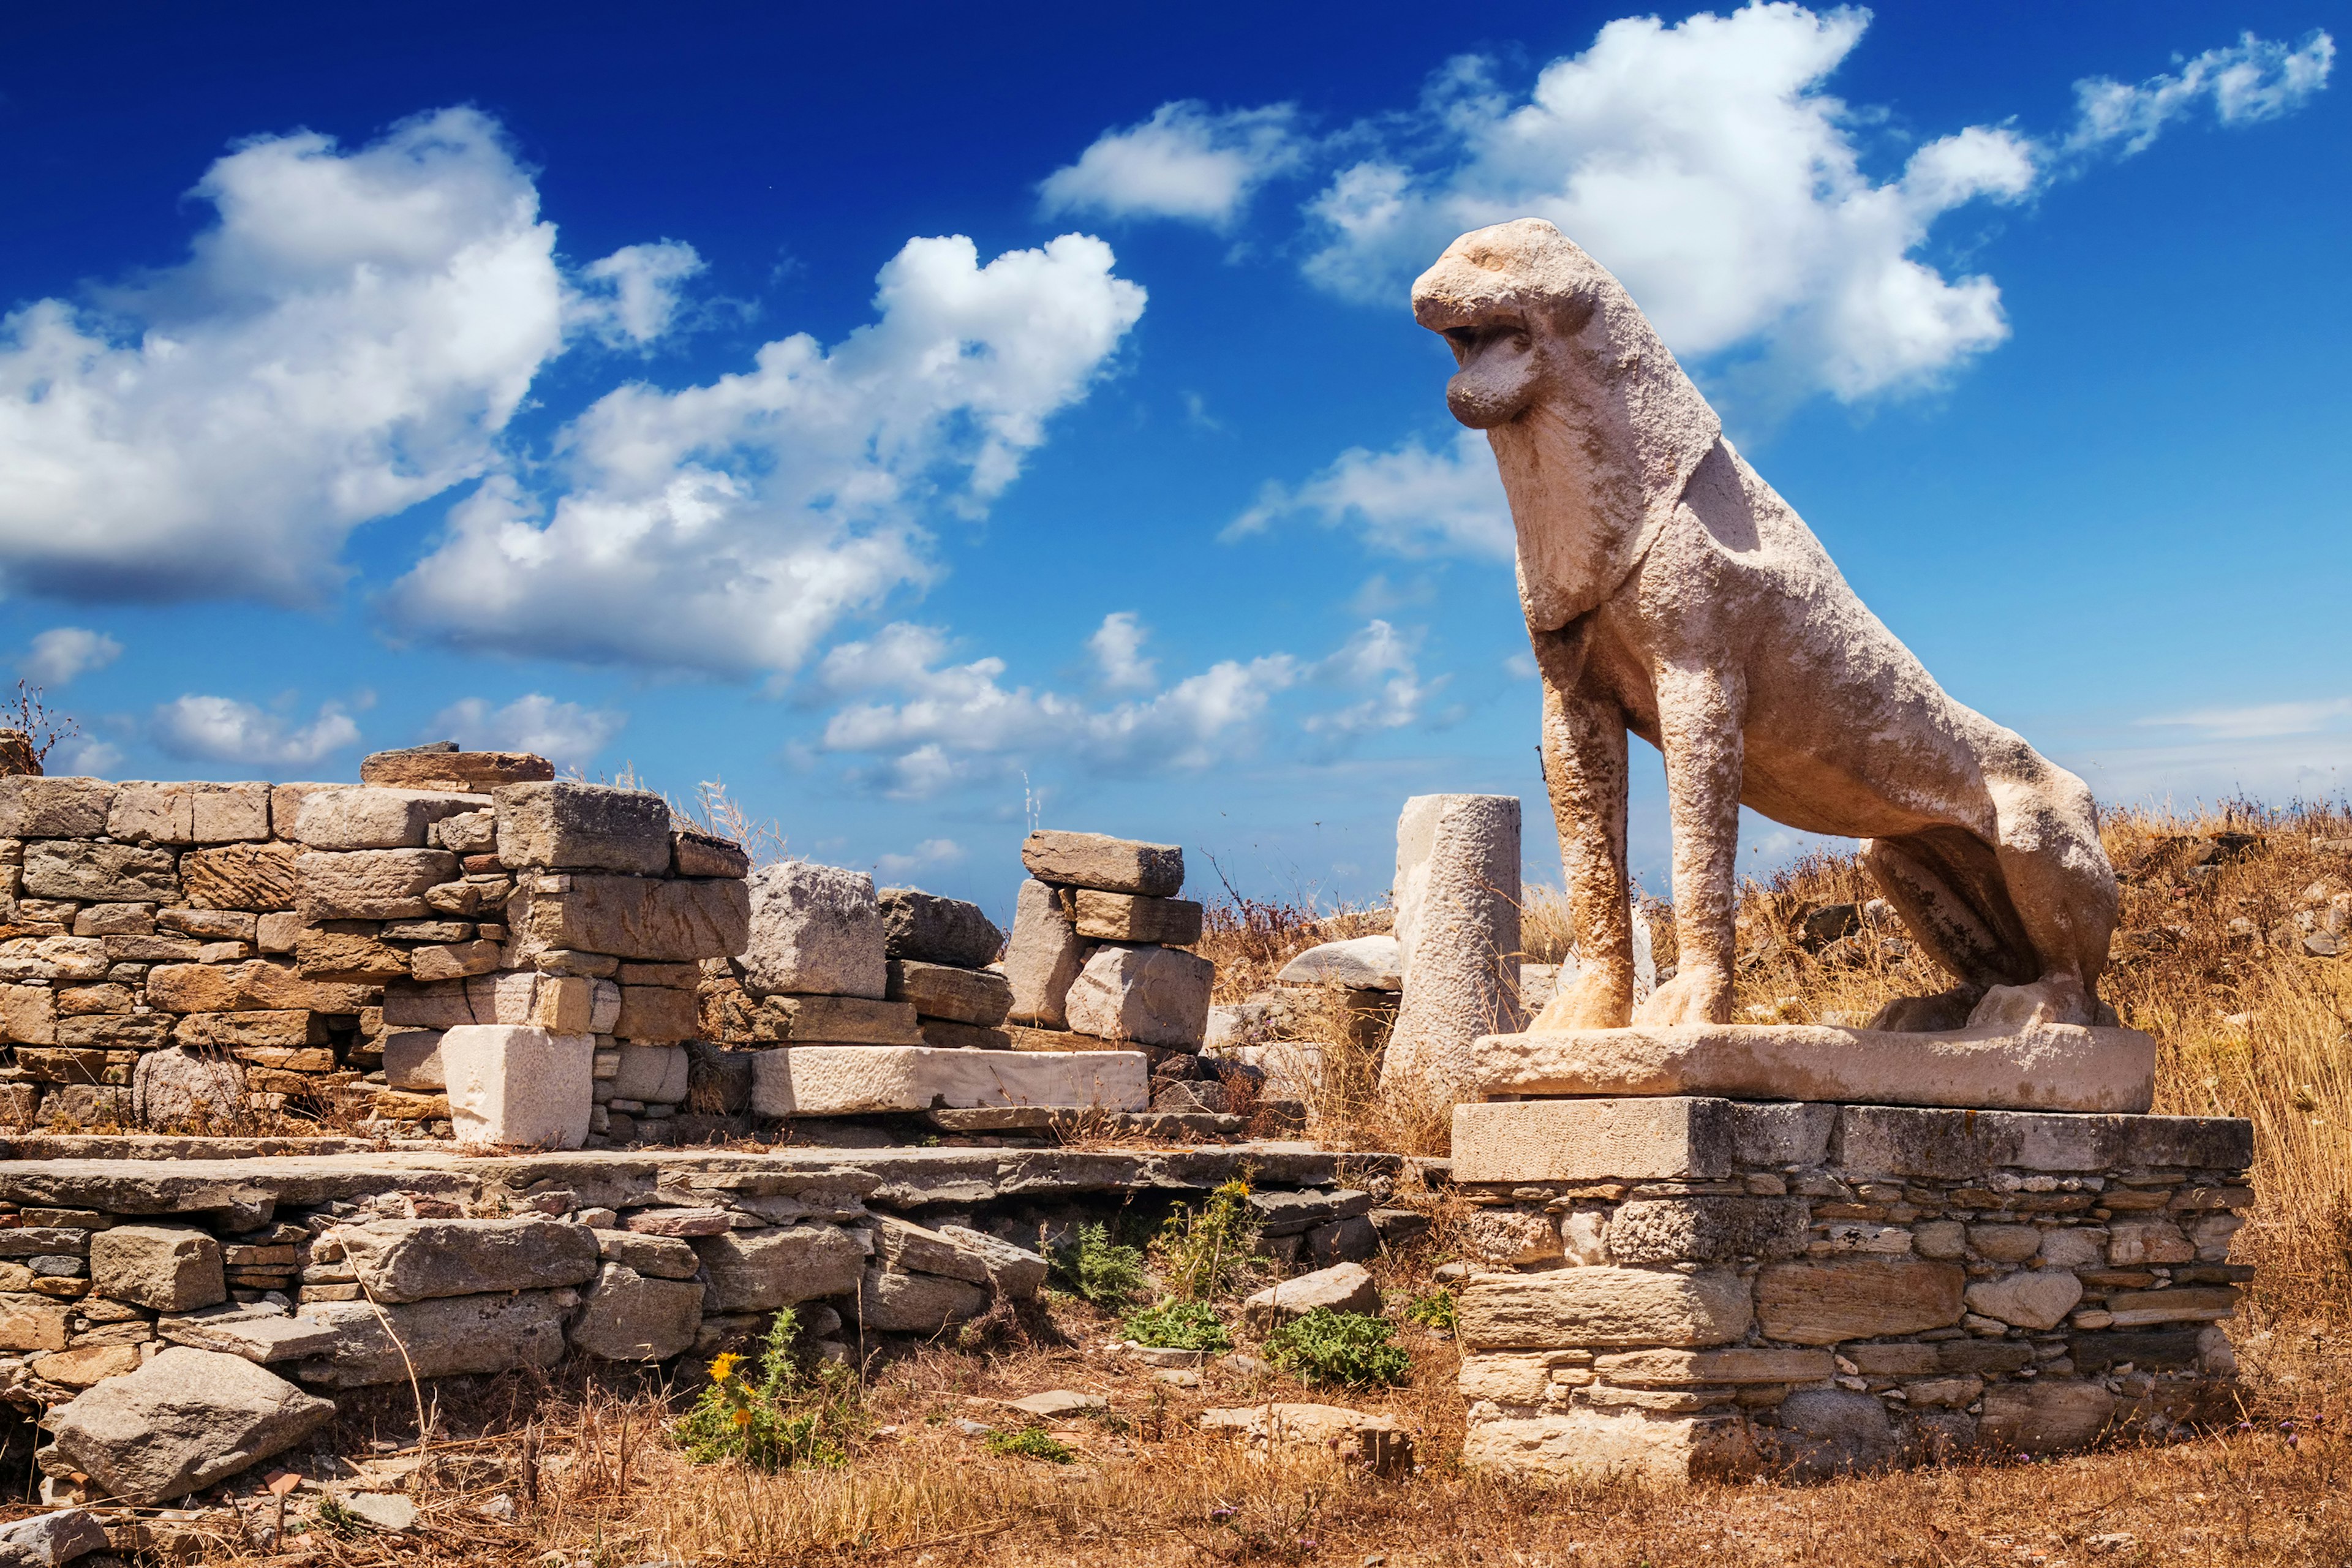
1706,1287
938,956
607,911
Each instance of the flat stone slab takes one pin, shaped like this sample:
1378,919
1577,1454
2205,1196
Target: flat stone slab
2055,1068
851,1080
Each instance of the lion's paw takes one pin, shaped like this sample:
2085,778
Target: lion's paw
1596,1001
2052,999
1696,996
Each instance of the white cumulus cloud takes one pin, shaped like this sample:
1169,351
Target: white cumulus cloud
929,853
729,527
61,653
1706,163
2252,80
567,732
223,729
631,297
1187,161
1117,647
1407,501
348,339
931,724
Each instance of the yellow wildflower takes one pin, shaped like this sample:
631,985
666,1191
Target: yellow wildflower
722,1366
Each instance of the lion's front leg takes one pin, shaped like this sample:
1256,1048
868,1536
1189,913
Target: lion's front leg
1584,768
1701,708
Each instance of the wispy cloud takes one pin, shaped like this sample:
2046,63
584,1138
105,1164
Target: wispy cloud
61,653
225,730
568,732
1187,161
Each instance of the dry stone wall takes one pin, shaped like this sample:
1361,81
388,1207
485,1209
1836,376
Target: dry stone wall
1681,1287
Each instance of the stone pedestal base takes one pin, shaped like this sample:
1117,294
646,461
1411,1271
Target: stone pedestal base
855,1080
1685,1286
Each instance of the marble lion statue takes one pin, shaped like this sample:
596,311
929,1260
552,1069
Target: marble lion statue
1670,591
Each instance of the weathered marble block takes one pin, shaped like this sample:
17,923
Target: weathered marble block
1682,1287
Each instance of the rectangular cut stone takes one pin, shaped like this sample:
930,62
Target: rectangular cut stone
453,961
418,1259
1129,917
440,1006
1043,958
658,1013
369,884
850,1080
950,1035
637,917
279,1026
28,1015
1152,995
568,825
2132,1309
981,996
102,873
518,1085
361,818
841,1020
1857,1299
930,928
443,1337
357,956
442,766
655,1074
412,1061
1111,865
1958,1145
190,813
32,806
696,854
1585,1445
1699,1369
255,986
256,877
1664,1139
2054,1068
1562,1308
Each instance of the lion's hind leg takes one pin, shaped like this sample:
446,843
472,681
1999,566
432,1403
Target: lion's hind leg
1947,885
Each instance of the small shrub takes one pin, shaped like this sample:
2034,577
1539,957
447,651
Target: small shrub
1098,1269
781,1414
1029,1443
336,1519
1207,1249
1179,1326
1434,1311
1350,1349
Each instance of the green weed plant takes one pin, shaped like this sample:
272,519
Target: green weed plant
1348,1349
773,1411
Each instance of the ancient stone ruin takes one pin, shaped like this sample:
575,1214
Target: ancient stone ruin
1736,1249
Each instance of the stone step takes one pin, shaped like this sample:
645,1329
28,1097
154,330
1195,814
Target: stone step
853,1080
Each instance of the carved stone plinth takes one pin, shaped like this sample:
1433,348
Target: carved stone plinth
1682,1286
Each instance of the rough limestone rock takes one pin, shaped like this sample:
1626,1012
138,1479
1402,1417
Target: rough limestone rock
1110,865
1128,917
412,1061
657,1074
444,1337
364,818
176,1089
697,854
1507,1238
863,1080
1591,1444
1378,1442
814,930
1705,1369
50,1540
916,1303
1342,1288
909,1248
417,1259
1633,513
1832,1431
258,1334
1152,995
1359,964
626,1317
1013,1271
184,1420
655,1257
2029,1299
240,876
1043,958
30,1322
932,930
1457,929
2053,1067
572,825
1706,1229
32,806
979,996
2045,1416
1602,1306
169,1268
1857,1299
761,1271
517,1085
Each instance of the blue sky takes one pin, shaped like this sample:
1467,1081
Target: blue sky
987,415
